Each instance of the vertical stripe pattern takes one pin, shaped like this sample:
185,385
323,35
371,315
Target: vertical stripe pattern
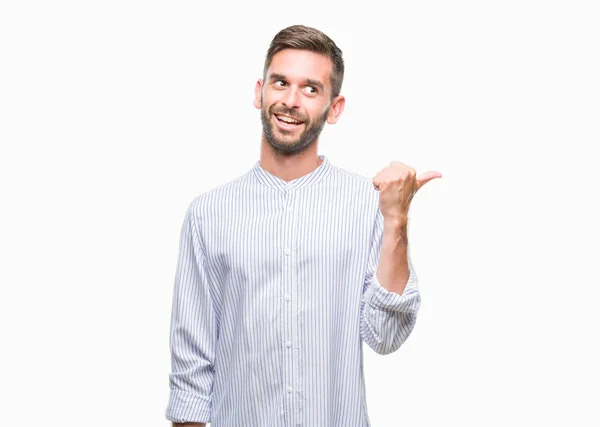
275,292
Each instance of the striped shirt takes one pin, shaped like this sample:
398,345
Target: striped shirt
275,291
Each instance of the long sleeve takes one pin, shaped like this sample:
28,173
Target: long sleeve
193,334
387,318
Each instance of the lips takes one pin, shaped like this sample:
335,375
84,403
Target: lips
286,122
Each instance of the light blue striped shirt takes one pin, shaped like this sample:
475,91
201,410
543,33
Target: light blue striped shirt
275,291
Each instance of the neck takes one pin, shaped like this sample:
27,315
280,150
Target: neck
289,167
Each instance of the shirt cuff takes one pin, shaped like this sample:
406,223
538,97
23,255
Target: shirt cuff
188,407
380,298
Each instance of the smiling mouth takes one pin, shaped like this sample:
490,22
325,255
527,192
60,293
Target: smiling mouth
287,121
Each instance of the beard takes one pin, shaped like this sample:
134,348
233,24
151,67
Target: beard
287,146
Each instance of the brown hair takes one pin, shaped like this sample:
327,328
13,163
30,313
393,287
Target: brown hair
302,37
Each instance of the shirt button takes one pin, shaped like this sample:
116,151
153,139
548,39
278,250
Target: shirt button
288,251
290,389
290,209
288,344
288,297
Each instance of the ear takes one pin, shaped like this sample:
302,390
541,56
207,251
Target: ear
336,109
258,94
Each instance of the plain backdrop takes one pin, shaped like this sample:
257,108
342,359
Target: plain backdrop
114,115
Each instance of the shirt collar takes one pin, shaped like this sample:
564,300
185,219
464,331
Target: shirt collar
311,178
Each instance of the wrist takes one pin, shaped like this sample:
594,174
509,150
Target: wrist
396,230
398,222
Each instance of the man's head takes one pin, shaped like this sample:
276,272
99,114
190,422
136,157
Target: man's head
300,89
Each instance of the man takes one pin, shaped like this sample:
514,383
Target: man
285,271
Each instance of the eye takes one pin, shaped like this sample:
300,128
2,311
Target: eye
311,90
279,83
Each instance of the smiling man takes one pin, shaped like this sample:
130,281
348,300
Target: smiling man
295,101
284,272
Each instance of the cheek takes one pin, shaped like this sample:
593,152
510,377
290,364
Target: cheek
325,108
318,112
271,97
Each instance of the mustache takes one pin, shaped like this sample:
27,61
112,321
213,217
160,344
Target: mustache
286,111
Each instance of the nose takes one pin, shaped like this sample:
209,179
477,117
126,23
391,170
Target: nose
291,98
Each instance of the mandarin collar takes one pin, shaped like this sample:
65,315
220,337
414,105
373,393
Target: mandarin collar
311,178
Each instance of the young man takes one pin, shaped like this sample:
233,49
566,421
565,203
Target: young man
285,271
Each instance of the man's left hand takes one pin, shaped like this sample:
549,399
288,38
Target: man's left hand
398,183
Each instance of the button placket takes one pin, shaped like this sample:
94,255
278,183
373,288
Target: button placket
289,309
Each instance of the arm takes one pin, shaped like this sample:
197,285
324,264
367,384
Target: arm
391,298
393,271
193,331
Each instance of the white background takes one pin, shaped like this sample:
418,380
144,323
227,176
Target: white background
114,115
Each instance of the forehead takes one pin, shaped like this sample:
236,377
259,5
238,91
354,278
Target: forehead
298,64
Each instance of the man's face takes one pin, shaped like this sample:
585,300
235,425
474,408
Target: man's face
294,100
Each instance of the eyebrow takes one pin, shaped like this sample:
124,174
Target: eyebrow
311,82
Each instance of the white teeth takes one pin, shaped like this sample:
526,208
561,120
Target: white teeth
288,120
